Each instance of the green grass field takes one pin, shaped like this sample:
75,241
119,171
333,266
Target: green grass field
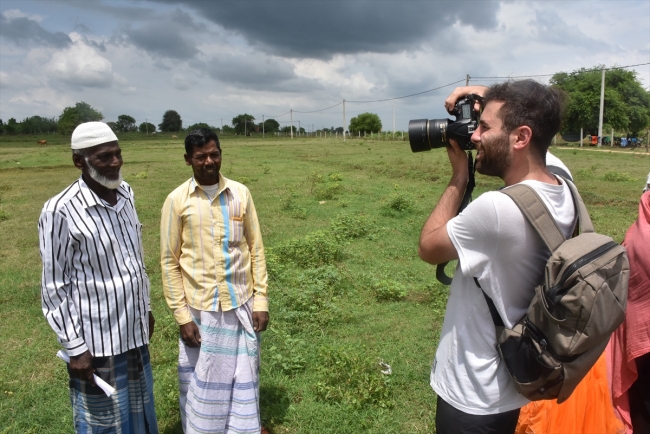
341,224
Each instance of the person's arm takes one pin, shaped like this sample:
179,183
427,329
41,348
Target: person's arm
435,246
56,298
172,278
258,266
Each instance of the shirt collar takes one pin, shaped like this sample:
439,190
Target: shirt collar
223,185
90,198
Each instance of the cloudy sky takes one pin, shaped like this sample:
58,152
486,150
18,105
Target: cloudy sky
212,60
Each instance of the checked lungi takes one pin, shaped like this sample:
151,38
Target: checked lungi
219,382
130,409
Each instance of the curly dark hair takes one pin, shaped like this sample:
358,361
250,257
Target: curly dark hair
527,102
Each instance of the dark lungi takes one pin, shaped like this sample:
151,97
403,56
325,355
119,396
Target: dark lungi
131,407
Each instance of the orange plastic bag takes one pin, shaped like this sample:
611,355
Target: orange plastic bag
589,410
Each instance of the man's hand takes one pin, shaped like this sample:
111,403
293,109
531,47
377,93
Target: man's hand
152,322
460,92
81,367
190,335
260,321
458,160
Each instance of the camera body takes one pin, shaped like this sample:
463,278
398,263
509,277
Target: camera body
427,134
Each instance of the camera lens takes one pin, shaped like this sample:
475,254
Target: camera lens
425,134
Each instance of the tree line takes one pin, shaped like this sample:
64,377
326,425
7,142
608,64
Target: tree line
626,108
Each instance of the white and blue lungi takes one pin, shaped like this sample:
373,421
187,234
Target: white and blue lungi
219,381
130,409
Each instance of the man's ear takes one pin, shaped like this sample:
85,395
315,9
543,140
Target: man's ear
78,161
523,136
188,159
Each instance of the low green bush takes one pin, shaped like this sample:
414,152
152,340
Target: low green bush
347,226
614,176
327,191
309,298
313,250
348,376
286,353
389,290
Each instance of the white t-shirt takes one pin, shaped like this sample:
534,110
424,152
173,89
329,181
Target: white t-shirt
211,190
496,244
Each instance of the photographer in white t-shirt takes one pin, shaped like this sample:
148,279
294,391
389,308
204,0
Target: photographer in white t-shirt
495,244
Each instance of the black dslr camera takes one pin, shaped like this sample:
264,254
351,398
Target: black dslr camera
425,134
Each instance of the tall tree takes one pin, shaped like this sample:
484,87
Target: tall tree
201,125
626,105
271,126
243,120
147,127
126,123
171,122
38,125
73,116
365,122
11,127
87,113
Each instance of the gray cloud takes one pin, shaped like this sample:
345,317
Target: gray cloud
320,29
24,31
159,40
167,36
551,28
258,72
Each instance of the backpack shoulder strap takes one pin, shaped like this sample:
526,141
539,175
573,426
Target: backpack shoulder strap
584,220
535,211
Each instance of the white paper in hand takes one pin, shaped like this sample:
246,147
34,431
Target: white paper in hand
107,388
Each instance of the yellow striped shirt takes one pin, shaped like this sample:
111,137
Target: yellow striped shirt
211,250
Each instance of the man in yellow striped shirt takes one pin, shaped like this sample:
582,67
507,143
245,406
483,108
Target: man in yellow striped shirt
215,281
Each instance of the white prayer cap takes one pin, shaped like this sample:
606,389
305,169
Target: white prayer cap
92,134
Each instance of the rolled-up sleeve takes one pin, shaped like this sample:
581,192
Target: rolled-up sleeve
258,261
56,288
170,252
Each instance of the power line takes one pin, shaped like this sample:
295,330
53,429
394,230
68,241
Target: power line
413,94
314,111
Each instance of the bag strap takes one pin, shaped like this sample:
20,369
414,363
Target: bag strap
494,313
535,211
557,170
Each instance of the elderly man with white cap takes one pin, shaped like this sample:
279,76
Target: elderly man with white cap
95,290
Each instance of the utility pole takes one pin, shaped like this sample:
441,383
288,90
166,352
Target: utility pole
221,125
291,127
343,121
581,137
467,80
600,116
146,125
298,127
262,126
393,121
244,126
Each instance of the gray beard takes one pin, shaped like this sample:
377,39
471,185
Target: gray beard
102,180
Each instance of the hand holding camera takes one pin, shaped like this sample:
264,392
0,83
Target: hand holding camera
465,104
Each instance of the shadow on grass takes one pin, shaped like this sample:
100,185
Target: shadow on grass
274,404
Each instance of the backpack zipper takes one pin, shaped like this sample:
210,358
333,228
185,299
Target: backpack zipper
552,293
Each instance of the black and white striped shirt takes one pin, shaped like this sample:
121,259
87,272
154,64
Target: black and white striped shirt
95,290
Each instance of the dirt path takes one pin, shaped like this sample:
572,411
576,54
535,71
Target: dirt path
638,151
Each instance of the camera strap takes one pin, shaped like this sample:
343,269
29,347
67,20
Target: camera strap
467,198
